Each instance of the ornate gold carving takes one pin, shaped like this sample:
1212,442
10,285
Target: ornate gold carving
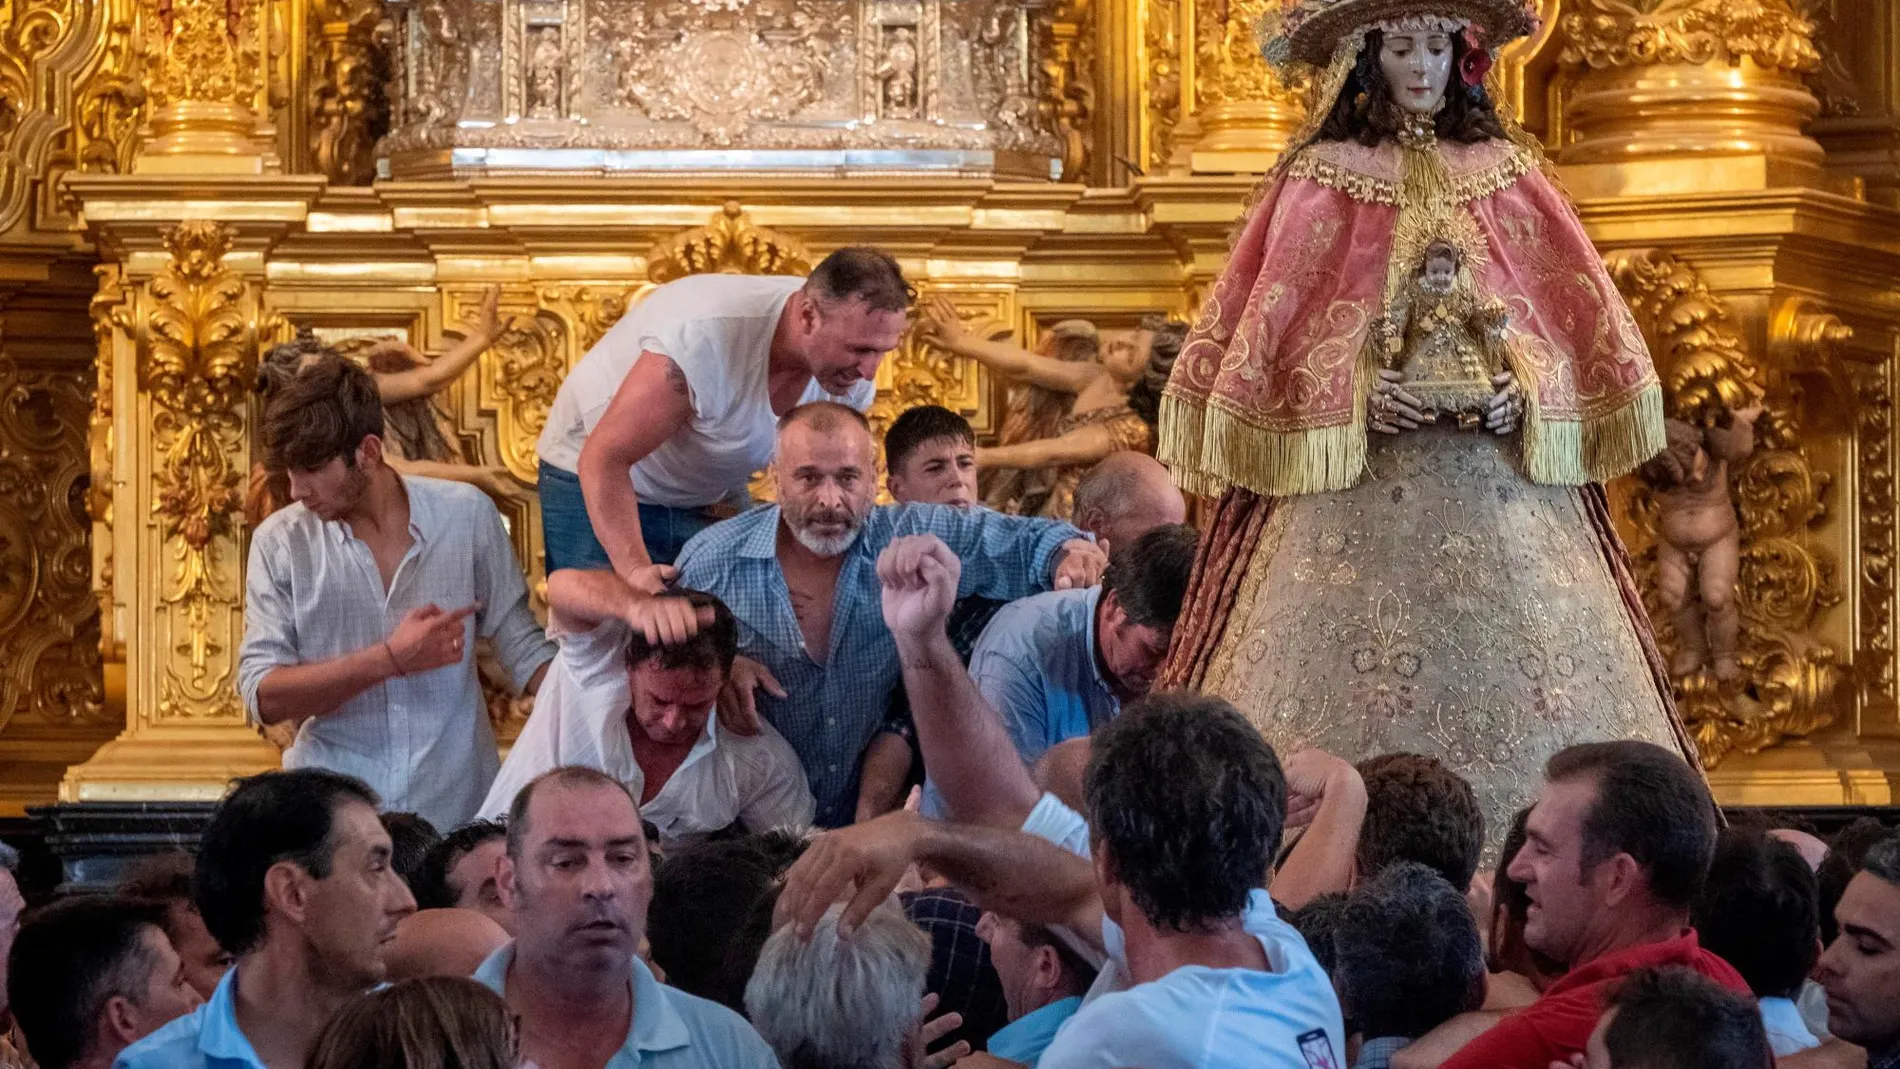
112,104
49,650
1670,78
1069,67
1786,580
110,319
344,89
1775,34
204,50
730,244
1161,48
197,361
1875,646
521,373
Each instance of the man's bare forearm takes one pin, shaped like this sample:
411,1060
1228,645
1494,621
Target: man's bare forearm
1015,874
970,756
614,510
297,692
588,596
881,781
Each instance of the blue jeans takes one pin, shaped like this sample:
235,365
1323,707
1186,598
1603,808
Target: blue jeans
568,534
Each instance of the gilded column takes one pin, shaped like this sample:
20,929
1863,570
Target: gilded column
1648,87
207,63
1214,105
183,349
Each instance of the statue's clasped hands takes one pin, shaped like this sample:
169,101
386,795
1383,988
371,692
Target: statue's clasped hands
1390,408
1505,411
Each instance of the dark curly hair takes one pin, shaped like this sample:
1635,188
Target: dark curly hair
1186,804
1407,957
1418,809
1145,396
1365,111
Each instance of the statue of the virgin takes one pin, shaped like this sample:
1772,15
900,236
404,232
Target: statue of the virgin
1405,389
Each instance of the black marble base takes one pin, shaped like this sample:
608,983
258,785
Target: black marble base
96,842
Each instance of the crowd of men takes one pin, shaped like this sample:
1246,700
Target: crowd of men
833,784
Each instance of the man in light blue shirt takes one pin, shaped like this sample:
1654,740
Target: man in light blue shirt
578,879
1187,806
1043,982
1060,665
801,578
294,877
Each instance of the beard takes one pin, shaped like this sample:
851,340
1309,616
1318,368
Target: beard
802,523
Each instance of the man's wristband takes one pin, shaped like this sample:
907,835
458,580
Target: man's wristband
393,662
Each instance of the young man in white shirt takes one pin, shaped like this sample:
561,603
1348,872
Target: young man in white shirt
642,712
657,429
1187,804
363,600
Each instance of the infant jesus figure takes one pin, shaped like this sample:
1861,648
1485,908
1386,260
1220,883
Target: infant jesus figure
1699,541
1448,345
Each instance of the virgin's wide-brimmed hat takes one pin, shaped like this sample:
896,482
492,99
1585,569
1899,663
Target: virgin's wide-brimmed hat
1309,31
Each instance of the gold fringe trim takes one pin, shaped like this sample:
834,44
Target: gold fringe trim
1458,189
1364,188
1595,450
1210,449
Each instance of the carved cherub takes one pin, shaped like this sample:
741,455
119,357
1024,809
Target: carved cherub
1699,540
1447,342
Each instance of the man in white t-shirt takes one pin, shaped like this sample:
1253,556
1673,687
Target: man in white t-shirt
1187,804
685,392
642,712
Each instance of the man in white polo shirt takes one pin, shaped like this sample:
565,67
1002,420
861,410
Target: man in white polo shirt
686,391
642,712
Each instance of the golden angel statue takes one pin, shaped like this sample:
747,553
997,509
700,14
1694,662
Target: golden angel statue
1381,574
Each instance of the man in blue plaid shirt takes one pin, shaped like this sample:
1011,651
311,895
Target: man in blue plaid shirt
801,576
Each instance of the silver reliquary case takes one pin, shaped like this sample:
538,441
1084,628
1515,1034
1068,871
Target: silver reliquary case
680,87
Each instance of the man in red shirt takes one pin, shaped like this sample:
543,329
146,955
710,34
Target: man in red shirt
1617,846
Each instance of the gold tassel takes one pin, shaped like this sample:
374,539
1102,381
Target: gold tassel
1209,450
1596,450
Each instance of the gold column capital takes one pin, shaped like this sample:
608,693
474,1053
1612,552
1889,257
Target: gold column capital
206,63
1652,85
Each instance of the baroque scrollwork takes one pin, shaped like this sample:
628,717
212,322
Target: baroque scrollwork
731,244
1873,385
197,358
204,50
49,650
521,373
1775,34
1161,62
720,69
112,104
1786,580
1069,71
111,318
1229,67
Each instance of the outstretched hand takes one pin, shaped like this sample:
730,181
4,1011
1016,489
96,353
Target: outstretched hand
859,865
919,575
738,699
939,322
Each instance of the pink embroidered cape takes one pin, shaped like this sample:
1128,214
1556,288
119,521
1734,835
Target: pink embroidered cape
1269,390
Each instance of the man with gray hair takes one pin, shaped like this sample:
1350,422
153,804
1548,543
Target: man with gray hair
835,1003
1126,495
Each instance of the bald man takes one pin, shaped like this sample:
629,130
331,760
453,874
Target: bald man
1125,496
800,576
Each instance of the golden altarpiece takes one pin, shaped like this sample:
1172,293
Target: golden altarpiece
182,181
